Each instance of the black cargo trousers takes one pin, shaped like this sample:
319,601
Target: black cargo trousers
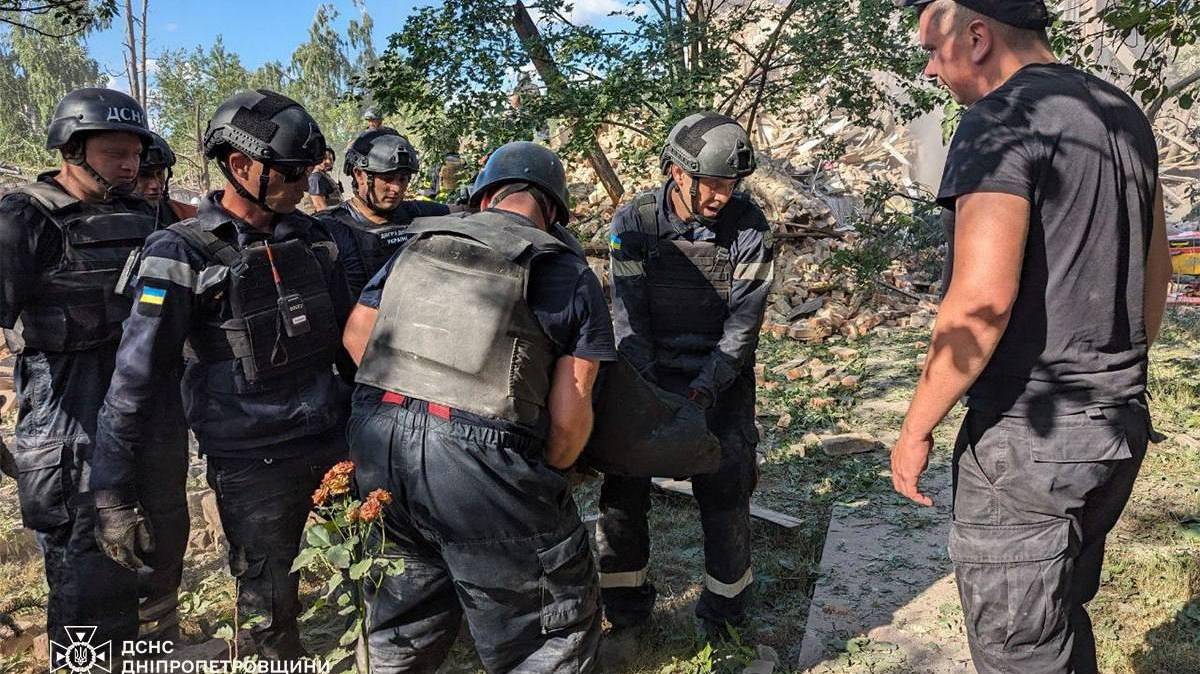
162,472
623,533
59,396
1034,499
485,527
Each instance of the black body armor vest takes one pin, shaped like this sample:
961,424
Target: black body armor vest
77,305
255,335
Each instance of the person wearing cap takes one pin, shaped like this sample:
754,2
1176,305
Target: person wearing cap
64,241
1054,292
372,118
691,269
251,293
370,226
478,346
323,190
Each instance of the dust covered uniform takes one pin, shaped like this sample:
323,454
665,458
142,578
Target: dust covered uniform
688,303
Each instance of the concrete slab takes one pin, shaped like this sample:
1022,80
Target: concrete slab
886,599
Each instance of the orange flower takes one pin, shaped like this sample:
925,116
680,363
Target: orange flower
370,511
320,496
337,479
382,495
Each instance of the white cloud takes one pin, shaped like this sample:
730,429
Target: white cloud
172,27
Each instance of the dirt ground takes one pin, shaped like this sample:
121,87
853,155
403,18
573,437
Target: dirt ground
1147,615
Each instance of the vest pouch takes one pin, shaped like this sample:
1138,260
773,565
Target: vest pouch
272,352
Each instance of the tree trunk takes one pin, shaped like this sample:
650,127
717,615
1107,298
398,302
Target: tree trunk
131,61
145,76
542,60
200,159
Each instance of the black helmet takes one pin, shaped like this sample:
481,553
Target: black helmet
95,109
530,164
267,127
709,144
158,154
381,150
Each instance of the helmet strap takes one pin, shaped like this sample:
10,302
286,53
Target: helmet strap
261,199
371,198
692,204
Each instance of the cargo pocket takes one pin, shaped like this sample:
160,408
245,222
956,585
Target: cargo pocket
1091,440
570,588
43,485
1012,579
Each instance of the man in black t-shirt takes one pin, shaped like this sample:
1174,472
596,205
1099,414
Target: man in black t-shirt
1054,292
322,188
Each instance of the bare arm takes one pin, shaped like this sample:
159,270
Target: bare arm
570,406
358,331
1158,272
319,202
989,248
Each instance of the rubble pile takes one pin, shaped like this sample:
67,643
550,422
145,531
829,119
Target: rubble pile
811,207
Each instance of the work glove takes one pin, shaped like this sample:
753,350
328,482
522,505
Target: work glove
122,530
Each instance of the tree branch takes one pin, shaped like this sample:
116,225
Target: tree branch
1173,90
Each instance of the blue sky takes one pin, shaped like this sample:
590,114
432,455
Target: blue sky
263,30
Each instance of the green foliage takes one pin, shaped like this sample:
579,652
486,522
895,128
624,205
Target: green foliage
320,75
893,225
452,65
57,18
347,542
36,71
1156,31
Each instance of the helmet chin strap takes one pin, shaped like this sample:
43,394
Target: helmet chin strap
261,199
370,200
692,205
110,190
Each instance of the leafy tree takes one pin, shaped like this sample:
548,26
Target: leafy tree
190,86
653,62
57,18
36,71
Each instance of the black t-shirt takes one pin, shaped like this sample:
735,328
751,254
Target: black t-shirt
321,185
1083,154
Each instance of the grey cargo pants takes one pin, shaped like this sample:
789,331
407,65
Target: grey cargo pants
1034,500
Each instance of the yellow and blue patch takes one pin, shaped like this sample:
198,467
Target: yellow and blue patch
614,242
151,300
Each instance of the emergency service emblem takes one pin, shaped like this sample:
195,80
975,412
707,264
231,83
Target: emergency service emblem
78,655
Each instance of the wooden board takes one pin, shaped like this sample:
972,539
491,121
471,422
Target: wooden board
758,512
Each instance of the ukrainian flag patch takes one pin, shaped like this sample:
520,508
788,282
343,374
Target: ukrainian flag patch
614,242
151,301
